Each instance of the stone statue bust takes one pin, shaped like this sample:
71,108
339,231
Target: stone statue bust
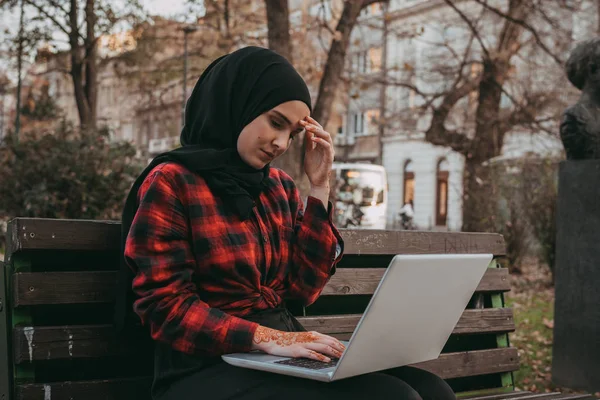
580,124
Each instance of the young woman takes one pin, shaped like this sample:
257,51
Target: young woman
215,242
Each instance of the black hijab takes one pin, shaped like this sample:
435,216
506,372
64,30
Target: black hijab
232,91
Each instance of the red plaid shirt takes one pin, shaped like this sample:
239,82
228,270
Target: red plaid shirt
198,268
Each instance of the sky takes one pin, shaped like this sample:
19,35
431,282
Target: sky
158,7
10,21
164,7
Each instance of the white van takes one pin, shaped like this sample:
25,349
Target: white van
360,196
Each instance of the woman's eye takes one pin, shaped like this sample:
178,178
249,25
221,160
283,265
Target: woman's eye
296,133
276,124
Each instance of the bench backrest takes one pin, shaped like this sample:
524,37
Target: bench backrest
60,277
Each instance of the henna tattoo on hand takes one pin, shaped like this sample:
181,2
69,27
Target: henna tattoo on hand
265,335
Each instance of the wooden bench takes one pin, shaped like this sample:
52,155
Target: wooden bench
58,286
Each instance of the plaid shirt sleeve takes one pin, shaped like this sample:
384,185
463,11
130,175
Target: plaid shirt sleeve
158,251
317,246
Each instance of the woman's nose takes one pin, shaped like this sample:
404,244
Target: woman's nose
281,142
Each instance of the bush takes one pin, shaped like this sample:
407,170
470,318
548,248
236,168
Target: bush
66,174
515,229
540,193
526,213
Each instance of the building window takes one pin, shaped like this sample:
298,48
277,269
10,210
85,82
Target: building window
364,123
295,18
146,132
358,124
409,182
359,62
412,103
322,10
441,203
372,118
127,132
343,128
372,9
367,61
374,59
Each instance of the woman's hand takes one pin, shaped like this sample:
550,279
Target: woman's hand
311,345
319,153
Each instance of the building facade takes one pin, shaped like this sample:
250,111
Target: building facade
410,43
377,116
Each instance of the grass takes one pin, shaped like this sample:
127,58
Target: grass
533,338
532,299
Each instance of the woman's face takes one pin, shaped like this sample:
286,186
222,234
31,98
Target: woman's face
269,135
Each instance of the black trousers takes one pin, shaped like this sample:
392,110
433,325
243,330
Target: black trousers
182,377
226,382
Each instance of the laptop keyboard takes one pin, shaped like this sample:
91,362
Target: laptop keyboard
306,363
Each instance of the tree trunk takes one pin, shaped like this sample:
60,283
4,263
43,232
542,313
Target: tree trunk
19,73
293,160
335,61
479,199
383,89
278,24
77,68
226,18
598,17
91,70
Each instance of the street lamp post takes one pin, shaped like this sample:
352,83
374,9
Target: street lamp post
186,31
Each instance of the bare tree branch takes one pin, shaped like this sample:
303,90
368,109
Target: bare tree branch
55,4
366,3
52,18
470,25
437,133
525,112
525,25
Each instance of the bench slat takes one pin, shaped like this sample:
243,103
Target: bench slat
89,341
491,320
113,389
365,281
38,288
363,241
64,342
532,396
473,363
63,234
450,365
502,396
353,281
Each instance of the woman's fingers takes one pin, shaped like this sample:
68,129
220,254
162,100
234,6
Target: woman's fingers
319,131
313,355
319,136
313,126
329,340
313,121
322,142
324,349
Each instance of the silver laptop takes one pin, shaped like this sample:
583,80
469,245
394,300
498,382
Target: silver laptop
409,319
